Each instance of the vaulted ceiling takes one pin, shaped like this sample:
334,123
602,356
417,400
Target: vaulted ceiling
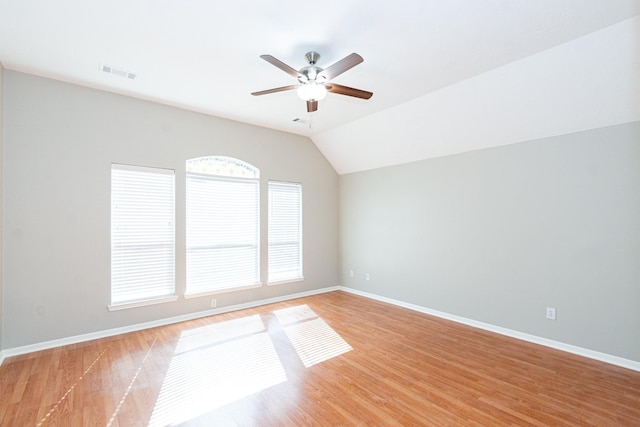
447,76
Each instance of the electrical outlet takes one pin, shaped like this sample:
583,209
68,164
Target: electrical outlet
214,303
551,313
350,273
367,277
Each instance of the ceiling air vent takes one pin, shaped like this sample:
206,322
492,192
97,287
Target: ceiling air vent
118,72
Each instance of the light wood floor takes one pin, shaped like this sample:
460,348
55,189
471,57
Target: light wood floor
327,360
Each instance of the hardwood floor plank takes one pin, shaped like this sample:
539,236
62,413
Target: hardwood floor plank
333,359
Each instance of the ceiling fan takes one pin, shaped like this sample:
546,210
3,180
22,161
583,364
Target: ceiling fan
313,81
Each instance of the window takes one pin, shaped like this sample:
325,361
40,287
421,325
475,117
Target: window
222,221
285,231
142,235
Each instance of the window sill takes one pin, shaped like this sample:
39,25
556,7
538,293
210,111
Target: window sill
127,305
282,282
221,291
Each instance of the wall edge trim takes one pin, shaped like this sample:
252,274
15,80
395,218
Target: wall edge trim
557,345
76,339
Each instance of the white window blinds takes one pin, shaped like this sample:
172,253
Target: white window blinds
285,231
142,233
223,234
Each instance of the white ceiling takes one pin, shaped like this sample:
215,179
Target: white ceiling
447,76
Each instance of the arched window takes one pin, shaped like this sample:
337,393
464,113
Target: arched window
222,225
222,166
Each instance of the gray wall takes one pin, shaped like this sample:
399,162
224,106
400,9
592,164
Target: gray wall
498,235
60,141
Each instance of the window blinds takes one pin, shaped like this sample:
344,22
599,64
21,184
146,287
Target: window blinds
142,233
285,231
222,233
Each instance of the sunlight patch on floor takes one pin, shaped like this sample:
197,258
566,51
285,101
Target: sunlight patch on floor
290,315
314,340
221,363
218,332
215,374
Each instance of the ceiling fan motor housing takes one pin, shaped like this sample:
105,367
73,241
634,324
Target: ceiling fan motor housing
310,73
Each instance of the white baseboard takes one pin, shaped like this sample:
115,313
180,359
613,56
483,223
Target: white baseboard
591,354
162,322
603,357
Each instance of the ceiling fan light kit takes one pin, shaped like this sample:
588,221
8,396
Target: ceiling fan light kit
310,91
313,81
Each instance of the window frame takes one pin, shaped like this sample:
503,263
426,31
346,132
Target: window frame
272,277
245,173
153,231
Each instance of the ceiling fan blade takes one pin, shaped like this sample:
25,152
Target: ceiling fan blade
349,91
274,90
341,66
284,67
312,105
